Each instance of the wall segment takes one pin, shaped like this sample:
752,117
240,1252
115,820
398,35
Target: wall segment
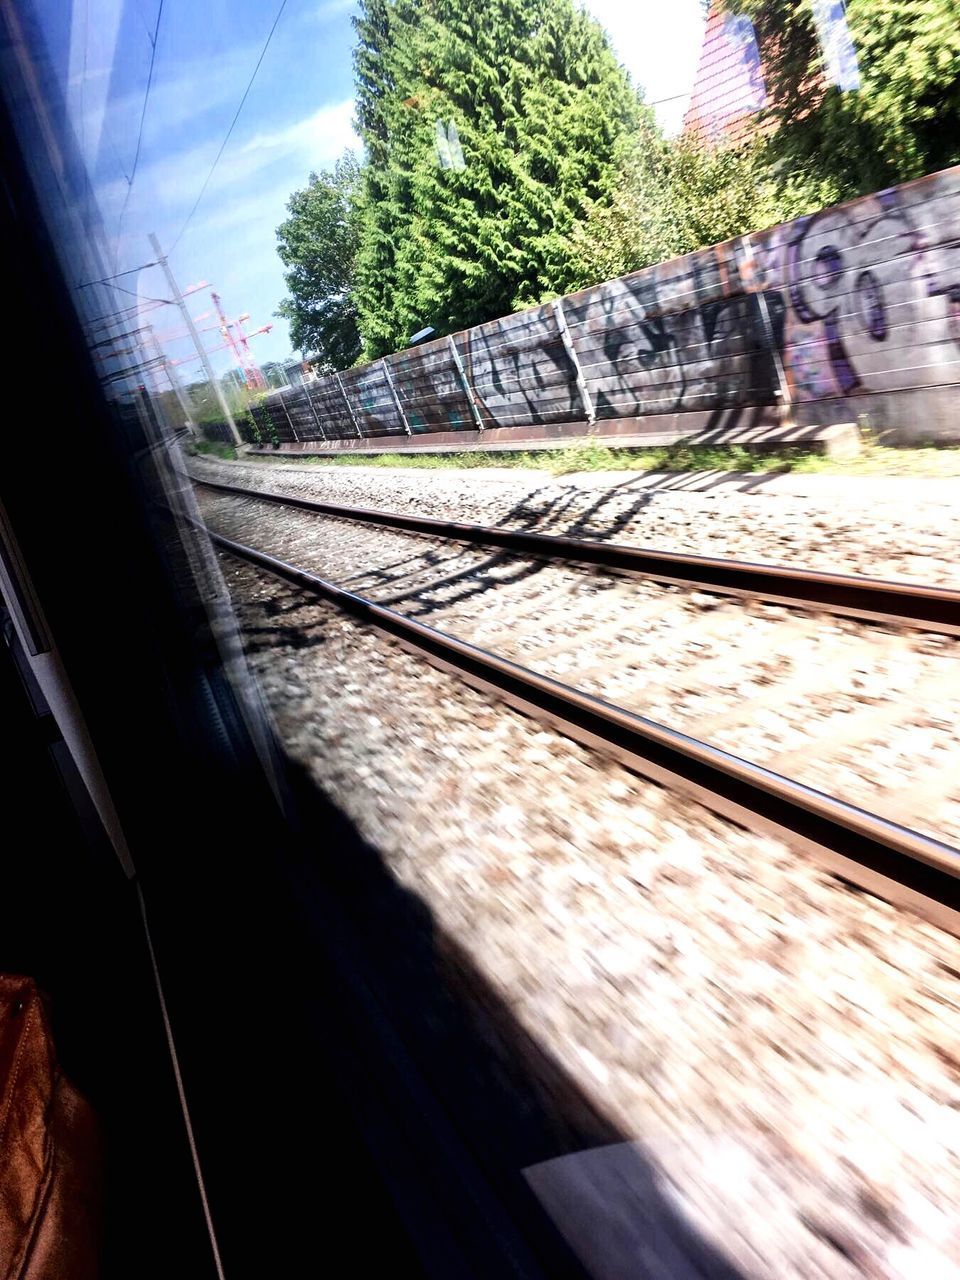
851,313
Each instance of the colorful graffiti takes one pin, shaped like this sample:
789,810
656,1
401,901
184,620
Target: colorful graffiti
858,300
872,292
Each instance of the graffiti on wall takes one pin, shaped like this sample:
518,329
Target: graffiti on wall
520,370
871,294
855,300
681,336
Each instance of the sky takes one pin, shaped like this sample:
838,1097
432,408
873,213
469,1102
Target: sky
296,119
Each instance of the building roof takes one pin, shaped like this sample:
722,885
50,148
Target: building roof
729,88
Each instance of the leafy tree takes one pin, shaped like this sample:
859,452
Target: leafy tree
671,198
318,245
902,122
531,95
824,144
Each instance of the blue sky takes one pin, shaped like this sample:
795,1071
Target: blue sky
297,118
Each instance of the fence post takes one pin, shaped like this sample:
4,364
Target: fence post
346,401
316,416
467,389
396,398
293,430
748,271
572,353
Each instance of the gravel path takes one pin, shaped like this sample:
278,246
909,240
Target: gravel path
866,712
886,527
786,1050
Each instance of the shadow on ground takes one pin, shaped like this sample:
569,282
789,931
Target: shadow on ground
450,575
452,1096
446,578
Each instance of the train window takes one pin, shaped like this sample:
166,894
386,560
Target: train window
478,590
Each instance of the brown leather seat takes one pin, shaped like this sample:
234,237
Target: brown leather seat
50,1159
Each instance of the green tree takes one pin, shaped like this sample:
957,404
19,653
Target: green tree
530,94
318,245
823,144
671,198
902,122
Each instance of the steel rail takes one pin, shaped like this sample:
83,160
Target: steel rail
895,862
914,604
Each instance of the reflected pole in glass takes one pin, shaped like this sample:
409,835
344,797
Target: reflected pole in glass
192,330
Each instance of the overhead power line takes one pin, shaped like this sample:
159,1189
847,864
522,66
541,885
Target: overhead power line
236,117
143,116
123,315
141,297
146,96
675,98
116,275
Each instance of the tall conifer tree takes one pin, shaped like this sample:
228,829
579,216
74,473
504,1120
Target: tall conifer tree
530,93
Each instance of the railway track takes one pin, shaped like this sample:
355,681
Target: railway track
893,861
906,603
692,974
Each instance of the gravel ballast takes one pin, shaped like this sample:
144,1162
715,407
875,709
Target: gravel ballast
888,527
784,1048
868,712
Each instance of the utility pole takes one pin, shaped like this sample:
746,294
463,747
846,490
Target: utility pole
192,329
173,378
754,284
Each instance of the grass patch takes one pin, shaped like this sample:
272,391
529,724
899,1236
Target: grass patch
213,449
592,455
878,460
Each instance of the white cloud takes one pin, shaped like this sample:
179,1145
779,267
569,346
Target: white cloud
319,138
196,100
270,161
231,239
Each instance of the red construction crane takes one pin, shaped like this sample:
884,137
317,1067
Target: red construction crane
251,368
239,344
